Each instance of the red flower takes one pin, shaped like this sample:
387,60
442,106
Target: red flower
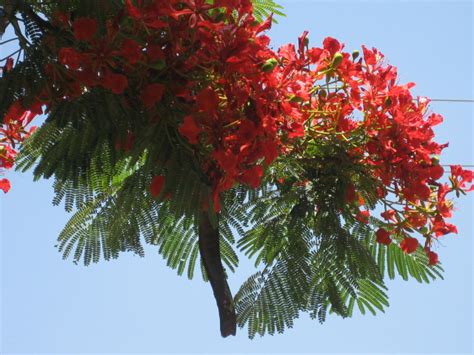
436,172
155,52
297,130
416,219
8,65
131,51
253,176
132,10
314,54
423,192
4,185
383,237
388,215
156,186
14,113
69,57
265,25
190,130
350,195
440,227
226,160
432,257
461,177
269,150
409,245
207,101
332,45
84,28
148,15
152,94
116,83
363,216
7,157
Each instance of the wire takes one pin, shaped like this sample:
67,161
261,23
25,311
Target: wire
462,165
452,100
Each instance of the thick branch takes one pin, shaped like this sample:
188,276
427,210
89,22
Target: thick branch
5,12
7,16
43,24
211,258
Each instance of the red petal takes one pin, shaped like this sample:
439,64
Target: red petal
207,101
190,130
5,185
383,237
132,10
265,25
156,186
84,28
363,216
332,45
253,176
152,94
433,257
409,245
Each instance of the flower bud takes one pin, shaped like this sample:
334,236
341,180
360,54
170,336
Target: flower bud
337,59
269,65
355,54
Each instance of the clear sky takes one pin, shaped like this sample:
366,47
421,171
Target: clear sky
138,305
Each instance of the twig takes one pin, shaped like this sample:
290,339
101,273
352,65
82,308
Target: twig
12,54
9,40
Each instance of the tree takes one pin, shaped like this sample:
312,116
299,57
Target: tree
177,125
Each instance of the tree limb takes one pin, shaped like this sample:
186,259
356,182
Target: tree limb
211,257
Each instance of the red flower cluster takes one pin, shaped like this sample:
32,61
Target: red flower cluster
389,132
13,132
217,62
241,106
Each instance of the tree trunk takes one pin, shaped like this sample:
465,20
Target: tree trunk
211,258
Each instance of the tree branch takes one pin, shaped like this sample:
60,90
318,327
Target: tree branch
211,257
5,13
7,16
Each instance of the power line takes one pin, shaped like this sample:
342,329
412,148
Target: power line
452,100
462,165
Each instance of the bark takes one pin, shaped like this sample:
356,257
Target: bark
211,258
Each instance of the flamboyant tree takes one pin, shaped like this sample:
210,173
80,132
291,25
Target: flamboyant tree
172,122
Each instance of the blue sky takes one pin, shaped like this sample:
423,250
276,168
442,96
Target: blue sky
138,305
